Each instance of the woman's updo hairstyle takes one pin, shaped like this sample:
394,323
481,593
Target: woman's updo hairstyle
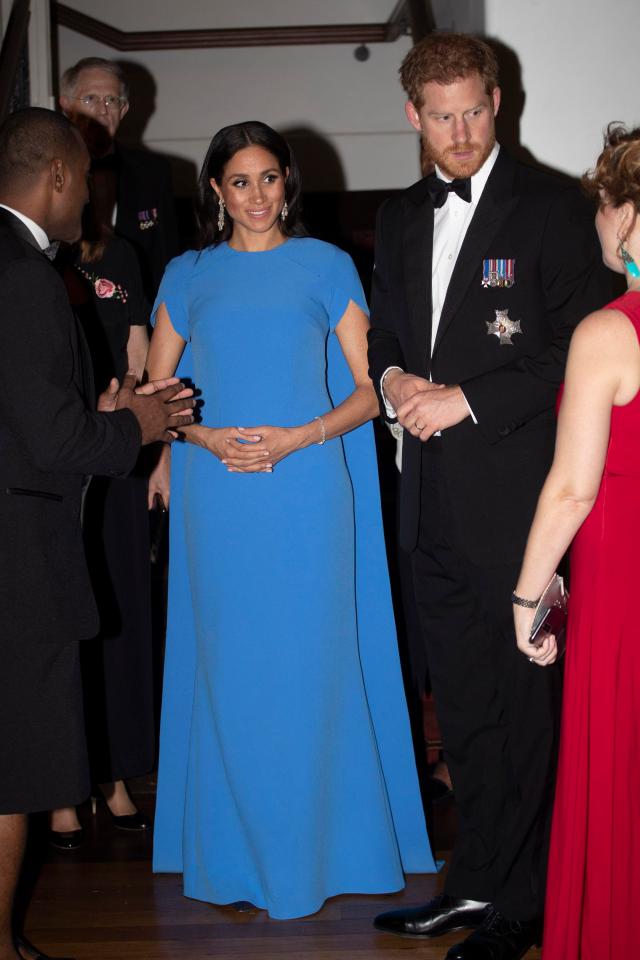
616,176
225,144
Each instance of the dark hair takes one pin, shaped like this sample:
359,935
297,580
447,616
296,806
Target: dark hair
444,58
70,77
30,139
616,176
224,146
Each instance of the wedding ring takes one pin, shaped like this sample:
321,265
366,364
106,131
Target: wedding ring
418,425
532,659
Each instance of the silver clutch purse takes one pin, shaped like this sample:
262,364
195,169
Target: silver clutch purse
551,615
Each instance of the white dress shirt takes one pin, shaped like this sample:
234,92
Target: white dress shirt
34,228
450,224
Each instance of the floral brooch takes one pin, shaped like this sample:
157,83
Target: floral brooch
104,289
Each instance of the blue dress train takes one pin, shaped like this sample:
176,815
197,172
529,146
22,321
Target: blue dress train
286,767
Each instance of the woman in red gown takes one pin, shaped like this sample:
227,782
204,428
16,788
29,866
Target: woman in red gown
592,493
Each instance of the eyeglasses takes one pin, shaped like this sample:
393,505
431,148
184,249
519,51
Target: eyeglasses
92,100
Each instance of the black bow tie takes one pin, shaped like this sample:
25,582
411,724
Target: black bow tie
439,189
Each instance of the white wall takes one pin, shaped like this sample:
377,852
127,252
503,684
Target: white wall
577,64
357,107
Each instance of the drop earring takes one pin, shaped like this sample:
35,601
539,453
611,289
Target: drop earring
220,214
629,263
284,213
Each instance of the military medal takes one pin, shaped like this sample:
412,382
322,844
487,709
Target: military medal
147,218
503,328
497,272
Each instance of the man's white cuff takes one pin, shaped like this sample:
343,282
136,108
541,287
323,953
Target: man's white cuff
473,416
389,410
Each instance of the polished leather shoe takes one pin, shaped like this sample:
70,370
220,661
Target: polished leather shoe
498,938
66,839
27,951
443,914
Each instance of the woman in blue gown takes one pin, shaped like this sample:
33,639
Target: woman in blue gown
286,767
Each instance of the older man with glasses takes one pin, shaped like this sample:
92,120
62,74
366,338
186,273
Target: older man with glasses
140,182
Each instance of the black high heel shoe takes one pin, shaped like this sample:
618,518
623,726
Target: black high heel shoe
133,822
66,839
137,821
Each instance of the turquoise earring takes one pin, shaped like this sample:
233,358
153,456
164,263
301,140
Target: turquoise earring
629,263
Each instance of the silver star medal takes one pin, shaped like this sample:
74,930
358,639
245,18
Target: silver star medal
503,328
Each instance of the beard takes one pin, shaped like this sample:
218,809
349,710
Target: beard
448,163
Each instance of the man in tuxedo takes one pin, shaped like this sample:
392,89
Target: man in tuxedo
144,211
483,269
50,441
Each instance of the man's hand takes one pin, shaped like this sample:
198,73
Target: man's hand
398,387
107,399
159,406
428,411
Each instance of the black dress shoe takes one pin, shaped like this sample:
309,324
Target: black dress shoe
66,839
443,914
498,938
27,951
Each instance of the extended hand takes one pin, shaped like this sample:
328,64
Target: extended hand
428,411
159,406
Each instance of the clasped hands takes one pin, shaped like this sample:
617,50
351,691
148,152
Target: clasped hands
252,449
423,408
160,406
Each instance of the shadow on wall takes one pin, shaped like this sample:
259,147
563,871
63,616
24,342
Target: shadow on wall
330,211
142,96
512,107
318,159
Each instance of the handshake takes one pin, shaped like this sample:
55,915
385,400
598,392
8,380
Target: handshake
160,406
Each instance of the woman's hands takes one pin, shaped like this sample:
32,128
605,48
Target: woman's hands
547,652
253,449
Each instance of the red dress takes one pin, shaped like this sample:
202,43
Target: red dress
593,887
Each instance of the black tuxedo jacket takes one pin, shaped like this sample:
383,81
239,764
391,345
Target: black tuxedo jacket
50,438
494,469
146,212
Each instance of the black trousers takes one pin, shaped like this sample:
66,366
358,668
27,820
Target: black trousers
498,713
117,666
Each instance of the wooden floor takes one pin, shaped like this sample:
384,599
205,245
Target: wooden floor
103,903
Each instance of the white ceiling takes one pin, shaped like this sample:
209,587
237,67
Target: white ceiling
201,14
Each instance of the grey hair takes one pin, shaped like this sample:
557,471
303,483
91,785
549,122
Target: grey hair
69,79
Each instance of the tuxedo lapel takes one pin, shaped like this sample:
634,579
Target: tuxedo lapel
17,227
417,243
496,203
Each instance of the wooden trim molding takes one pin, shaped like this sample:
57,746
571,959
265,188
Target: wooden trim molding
352,33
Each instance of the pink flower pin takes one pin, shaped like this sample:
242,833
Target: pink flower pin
105,289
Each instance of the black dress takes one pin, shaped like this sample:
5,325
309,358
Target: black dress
117,668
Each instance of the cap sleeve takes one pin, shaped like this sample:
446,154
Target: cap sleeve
173,293
344,285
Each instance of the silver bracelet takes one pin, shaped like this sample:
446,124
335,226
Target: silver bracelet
324,432
521,602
